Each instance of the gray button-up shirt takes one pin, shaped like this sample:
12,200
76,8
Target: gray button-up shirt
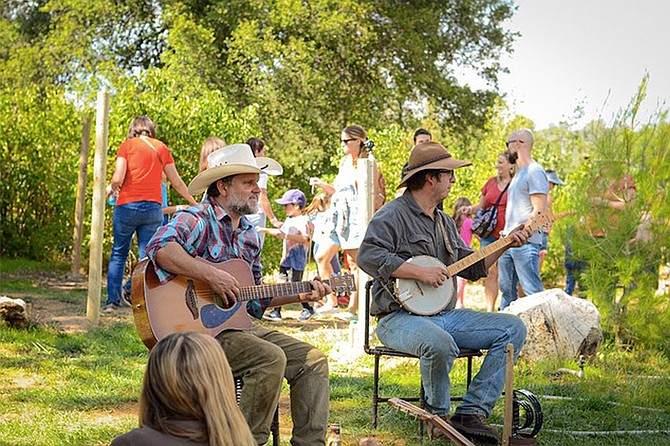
401,230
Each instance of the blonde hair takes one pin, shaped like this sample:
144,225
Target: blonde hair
211,144
188,379
459,217
319,203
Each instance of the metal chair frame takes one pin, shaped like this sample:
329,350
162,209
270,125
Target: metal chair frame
380,350
274,426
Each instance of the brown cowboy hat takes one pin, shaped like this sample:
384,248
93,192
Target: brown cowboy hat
430,155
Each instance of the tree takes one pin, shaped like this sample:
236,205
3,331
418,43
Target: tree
621,274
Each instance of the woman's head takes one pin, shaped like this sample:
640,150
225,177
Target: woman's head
353,141
188,379
211,144
504,167
141,126
257,146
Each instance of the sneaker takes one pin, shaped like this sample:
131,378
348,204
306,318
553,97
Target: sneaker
305,315
109,308
327,309
475,426
274,315
346,316
126,301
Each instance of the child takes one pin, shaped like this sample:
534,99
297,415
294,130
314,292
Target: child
322,216
296,232
464,225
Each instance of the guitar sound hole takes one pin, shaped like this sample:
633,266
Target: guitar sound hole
219,302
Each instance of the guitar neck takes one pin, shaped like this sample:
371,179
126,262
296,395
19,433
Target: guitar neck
276,289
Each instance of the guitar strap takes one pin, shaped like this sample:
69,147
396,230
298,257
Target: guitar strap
146,140
447,243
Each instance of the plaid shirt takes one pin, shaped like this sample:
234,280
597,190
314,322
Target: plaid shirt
206,231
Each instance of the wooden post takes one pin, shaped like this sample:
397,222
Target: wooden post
509,394
98,211
365,174
81,196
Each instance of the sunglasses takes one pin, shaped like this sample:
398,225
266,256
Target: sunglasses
347,141
507,144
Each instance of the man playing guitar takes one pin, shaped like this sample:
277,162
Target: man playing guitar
217,230
412,226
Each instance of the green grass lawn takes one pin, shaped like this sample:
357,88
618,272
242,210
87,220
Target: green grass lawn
63,384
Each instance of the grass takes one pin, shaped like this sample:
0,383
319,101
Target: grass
80,387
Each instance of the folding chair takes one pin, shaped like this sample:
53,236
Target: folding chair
378,351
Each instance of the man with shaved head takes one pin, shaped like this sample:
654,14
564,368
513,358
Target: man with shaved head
527,194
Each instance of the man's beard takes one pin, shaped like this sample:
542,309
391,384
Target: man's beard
513,157
240,206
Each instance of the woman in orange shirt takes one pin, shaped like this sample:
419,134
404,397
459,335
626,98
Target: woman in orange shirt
140,163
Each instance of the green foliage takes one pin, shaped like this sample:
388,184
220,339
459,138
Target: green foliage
622,266
40,134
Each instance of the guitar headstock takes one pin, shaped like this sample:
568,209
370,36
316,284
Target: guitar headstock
343,284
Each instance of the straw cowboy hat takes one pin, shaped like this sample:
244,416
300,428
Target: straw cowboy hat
232,160
430,155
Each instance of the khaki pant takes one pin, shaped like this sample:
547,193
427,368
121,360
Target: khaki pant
262,357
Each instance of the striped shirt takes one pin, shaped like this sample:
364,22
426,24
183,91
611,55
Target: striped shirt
206,231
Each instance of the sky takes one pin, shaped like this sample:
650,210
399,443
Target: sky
592,53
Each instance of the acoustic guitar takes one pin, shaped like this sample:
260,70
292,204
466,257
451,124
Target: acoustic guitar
440,423
187,304
423,299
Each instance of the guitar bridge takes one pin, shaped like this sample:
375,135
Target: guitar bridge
191,299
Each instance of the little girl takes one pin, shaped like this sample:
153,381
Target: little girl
464,225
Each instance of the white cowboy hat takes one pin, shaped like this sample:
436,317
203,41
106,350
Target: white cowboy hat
232,160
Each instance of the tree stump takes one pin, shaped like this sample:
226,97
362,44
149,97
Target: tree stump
13,311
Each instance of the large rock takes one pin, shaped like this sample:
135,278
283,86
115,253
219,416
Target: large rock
559,325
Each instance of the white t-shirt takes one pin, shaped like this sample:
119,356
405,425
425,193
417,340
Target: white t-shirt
528,181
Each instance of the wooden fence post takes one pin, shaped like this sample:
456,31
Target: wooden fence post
98,211
81,196
366,191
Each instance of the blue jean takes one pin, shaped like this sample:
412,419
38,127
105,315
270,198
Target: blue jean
437,341
519,265
143,218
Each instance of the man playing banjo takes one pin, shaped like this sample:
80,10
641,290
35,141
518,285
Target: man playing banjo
412,226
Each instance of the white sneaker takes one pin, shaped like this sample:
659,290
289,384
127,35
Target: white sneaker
346,316
326,309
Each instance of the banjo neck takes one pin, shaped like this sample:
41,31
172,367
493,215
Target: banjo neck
537,220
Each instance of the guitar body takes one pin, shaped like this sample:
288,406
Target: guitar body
185,304
421,298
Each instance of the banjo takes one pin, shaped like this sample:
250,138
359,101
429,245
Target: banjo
425,300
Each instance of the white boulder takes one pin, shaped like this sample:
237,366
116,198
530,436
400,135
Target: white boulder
559,325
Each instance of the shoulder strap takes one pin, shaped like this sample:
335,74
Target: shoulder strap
501,194
447,243
148,142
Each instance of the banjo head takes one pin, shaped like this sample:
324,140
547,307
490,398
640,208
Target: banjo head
421,298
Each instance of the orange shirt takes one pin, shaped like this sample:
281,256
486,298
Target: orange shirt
144,170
